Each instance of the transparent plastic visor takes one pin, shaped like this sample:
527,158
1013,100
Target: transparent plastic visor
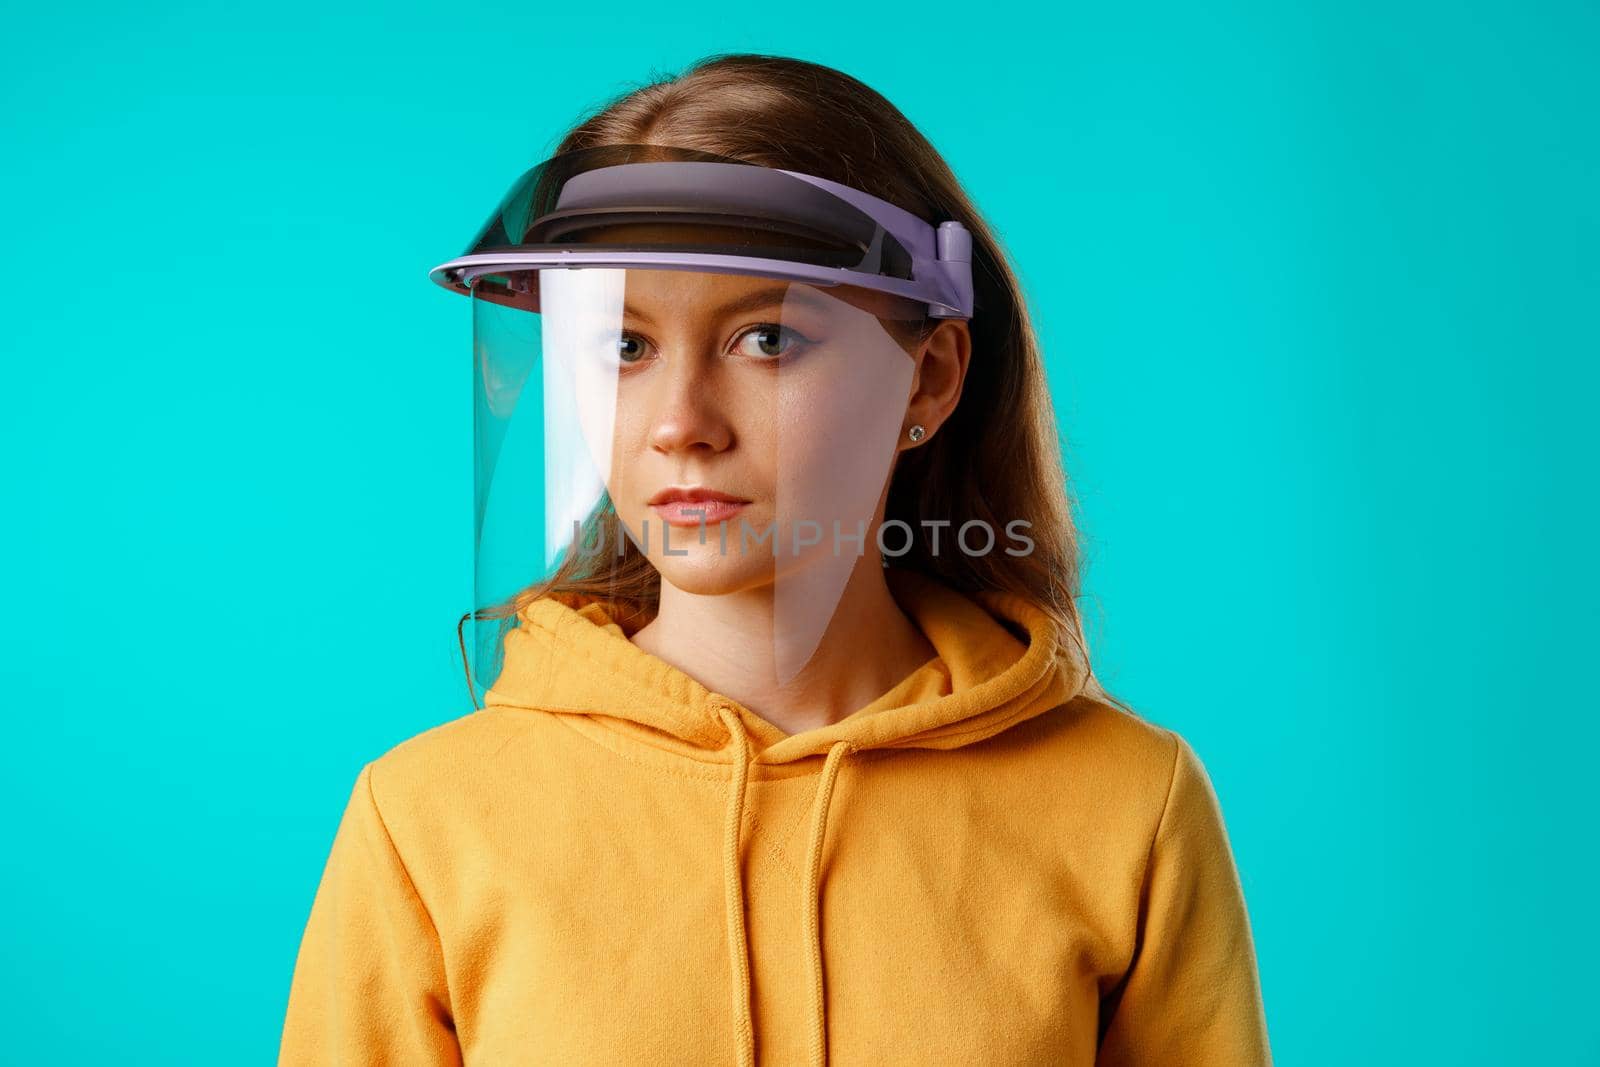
640,431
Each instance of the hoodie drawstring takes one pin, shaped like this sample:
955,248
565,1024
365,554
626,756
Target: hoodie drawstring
738,942
733,890
819,830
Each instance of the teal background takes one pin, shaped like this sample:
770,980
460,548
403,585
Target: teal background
1318,287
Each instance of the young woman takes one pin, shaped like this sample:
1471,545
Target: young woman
790,748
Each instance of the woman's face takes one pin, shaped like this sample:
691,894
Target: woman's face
776,407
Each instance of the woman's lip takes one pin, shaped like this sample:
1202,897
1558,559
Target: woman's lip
695,512
694,493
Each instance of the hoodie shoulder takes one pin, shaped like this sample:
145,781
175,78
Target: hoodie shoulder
1105,759
1111,733
444,758
451,739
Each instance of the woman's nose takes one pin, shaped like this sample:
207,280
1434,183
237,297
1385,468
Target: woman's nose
686,408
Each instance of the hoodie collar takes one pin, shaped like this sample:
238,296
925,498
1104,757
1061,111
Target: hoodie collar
998,661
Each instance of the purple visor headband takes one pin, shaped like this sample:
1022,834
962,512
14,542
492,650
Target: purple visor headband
720,216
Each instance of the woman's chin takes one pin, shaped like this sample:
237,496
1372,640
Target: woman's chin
702,570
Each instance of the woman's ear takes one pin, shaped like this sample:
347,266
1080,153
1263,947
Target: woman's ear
936,385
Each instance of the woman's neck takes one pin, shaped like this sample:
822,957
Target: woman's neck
726,644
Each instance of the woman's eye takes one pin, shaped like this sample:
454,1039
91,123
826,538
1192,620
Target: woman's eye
768,341
630,349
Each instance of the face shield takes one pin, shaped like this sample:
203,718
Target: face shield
691,372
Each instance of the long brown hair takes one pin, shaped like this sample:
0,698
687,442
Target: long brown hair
996,459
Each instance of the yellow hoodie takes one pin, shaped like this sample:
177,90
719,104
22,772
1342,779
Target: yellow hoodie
611,864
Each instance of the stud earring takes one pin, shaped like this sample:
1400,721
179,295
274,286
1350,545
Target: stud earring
917,433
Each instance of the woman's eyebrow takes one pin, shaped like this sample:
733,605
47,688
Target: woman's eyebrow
760,298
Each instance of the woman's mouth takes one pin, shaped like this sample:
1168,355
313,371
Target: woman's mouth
693,505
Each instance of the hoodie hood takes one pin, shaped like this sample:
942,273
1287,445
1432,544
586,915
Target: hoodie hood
999,660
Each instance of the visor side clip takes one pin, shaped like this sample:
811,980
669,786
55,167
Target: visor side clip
953,244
